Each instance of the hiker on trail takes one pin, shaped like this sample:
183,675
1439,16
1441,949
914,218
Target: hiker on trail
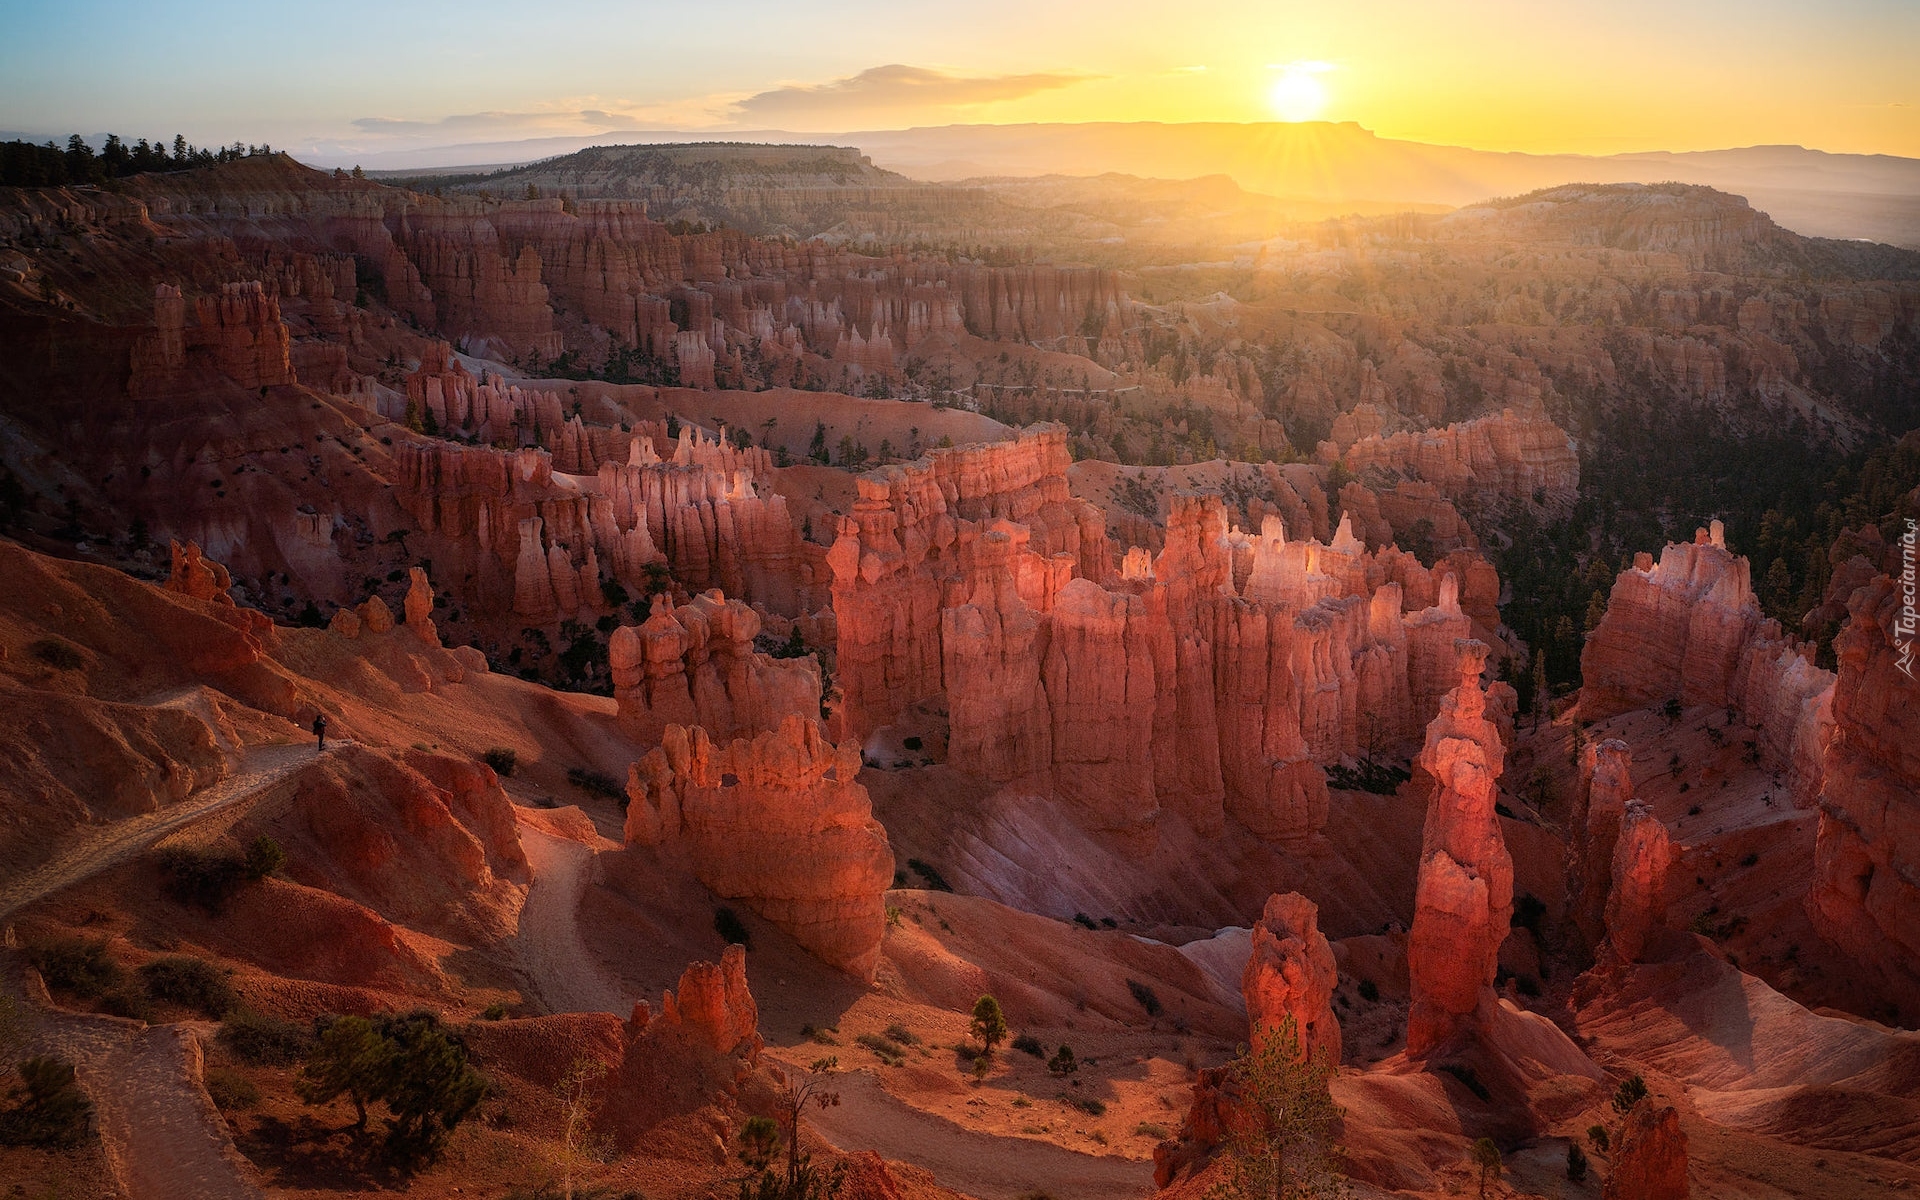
320,731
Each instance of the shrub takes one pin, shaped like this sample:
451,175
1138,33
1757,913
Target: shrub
1089,1105
191,983
731,928
1062,1062
903,1035
1597,1134
759,1141
231,1091
1145,996
76,965
494,1012
262,1040
409,1063
502,760
264,857
1085,921
1148,1130
203,879
1026,1043
989,1023
128,1001
47,1106
1369,991
1576,1162
1631,1091
887,1051
61,655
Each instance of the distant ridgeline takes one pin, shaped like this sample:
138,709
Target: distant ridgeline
24,164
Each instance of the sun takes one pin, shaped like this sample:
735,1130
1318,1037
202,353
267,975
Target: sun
1298,95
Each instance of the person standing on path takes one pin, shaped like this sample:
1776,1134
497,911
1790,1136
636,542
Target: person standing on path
320,731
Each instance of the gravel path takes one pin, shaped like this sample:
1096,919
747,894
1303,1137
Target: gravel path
561,969
96,848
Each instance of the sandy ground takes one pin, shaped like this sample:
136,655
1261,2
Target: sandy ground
561,969
981,1164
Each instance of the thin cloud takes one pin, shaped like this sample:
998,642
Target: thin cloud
897,86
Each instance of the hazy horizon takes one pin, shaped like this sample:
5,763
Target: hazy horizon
1591,79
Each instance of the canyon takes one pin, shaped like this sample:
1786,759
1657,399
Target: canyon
816,634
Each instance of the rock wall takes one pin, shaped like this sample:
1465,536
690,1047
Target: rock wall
1651,1160
1464,899
778,822
696,665
1517,455
1864,896
1689,629
1596,829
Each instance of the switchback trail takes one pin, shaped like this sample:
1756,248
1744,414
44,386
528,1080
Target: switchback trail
94,849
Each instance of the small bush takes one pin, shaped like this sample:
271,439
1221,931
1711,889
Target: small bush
76,965
231,1091
1026,1043
912,743
731,928
887,1051
262,1040
822,1037
494,1012
1369,991
191,983
1147,1129
205,880
1528,985
1597,1134
903,1035
1085,921
1089,1106
1576,1162
128,1001
1062,1062
1145,996
502,760
264,857
47,1106
1631,1091
58,654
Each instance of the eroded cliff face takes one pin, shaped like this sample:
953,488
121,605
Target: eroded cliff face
1464,900
1688,629
1217,678
779,822
1514,454
1637,902
696,665
1867,857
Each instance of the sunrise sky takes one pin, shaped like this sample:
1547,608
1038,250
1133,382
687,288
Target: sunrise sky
1588,76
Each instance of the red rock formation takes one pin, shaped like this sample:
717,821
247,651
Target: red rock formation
1596,831
1290,973
1637,904
195,575
238,333
1867,856
1520,455
1464,900
419,607
779,822
1689,629
714,1008
1651,1161
696,665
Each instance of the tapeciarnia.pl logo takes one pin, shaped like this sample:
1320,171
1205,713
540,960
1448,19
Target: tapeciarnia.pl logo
1909,617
